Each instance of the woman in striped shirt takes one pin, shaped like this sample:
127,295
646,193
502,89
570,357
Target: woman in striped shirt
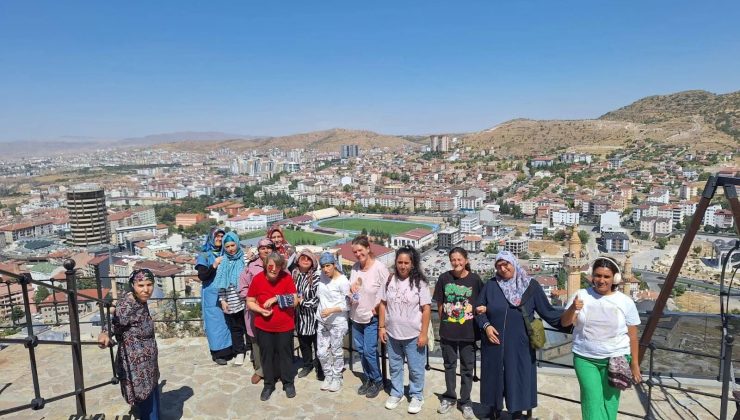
227,282
305,276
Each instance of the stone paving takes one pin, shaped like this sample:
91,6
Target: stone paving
193,387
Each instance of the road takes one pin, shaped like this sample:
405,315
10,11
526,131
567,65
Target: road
654,280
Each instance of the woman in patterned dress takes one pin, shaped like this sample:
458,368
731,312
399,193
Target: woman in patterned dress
136,359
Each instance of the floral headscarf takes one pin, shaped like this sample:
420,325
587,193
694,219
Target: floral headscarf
284,248
514,287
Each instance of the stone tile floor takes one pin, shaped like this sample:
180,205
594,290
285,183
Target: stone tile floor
193,387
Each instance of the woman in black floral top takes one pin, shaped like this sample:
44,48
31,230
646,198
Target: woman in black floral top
136,359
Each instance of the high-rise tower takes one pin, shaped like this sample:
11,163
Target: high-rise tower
88,217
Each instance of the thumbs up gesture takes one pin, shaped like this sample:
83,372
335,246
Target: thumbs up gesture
578,303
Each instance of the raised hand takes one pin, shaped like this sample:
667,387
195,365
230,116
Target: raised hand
578,303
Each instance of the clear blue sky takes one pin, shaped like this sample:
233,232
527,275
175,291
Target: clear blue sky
119,69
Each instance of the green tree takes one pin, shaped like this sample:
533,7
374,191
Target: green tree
491,248
537,255
583,236
41,294
559,236
697,249
347,188
17,314
662,242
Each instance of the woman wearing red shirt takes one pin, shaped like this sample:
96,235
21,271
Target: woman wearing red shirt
272,297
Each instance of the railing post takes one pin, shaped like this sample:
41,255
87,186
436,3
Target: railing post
726,359
99,287
31,342
349,347
174,297
74,332
651,347
384,362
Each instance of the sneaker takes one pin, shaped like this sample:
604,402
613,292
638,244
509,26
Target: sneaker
362,390
304,372
468,412
266,392
392,402
221,361
289,391
415,406
239,359
320,375
327,383
336,385
445,406
374,389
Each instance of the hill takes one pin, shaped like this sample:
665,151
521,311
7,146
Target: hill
721,111
697,119
325,141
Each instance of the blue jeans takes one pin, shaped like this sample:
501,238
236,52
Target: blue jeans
149,408
365,342
415,357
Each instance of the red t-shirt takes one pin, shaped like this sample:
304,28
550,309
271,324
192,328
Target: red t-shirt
281,320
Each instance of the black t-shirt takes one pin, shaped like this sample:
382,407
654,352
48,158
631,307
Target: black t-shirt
457,297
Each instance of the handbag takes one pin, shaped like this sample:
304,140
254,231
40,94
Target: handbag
619,373
535,327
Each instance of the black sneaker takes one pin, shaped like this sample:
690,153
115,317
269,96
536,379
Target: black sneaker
289,391
374,389
266,392
221,362
304,372
362,390
320,375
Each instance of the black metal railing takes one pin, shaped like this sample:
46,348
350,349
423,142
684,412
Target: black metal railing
31,341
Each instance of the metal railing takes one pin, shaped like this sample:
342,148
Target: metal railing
31,341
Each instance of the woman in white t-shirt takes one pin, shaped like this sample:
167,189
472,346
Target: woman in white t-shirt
605,326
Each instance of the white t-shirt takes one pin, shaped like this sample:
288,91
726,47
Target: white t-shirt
332,294
404,303
601,326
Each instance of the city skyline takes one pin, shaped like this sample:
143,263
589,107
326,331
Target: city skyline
100,71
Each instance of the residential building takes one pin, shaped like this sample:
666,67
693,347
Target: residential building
470,224
614,241
517,246
349,151
448,238
189,219
472,243
565,217
440,143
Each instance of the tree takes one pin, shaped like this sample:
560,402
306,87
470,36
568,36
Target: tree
662,242
41,294
17,314
559,236
583,236
537,255
491,248
347,188
697,249
545,232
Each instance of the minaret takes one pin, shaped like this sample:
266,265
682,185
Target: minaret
573,261
627,276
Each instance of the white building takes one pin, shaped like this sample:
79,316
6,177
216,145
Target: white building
610,222
448,238
418,238
565,217
470,224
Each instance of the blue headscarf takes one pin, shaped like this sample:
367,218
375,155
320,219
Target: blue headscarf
231,266
209,249
514,287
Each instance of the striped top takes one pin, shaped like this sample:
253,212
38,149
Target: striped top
305,320
233,300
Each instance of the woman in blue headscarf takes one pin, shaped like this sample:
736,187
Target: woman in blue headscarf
227,284
508,369
214,321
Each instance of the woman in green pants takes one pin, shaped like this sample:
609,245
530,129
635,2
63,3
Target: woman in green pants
606,323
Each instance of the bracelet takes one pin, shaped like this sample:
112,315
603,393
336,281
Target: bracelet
381,327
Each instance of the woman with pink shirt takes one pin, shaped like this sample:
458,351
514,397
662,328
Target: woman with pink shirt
405,311
366,278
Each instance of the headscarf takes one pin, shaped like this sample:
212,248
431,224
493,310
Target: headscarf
231,266
284,249
311,271
209,249
514,287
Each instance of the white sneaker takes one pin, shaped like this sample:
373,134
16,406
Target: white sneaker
328,380
239,360
336,385
415,405
392,402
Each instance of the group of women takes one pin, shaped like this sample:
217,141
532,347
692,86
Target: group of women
261,304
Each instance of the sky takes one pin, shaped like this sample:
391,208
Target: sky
97,69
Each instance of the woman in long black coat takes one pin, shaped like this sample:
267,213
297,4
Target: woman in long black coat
508,369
